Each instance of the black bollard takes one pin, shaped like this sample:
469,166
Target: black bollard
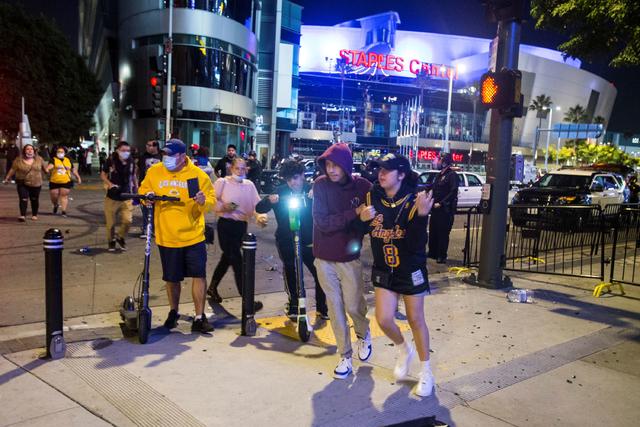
249,246
53,243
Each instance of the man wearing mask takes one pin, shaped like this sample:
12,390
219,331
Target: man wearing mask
338,199
179,228
118,176
150,157
223,166
445,203
254,170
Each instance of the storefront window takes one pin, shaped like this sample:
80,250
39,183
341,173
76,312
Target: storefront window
214,135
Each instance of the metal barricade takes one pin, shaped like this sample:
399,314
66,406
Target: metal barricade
560,240
625,251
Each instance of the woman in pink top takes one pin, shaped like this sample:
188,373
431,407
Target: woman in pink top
237,198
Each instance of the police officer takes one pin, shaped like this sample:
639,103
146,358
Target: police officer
445,203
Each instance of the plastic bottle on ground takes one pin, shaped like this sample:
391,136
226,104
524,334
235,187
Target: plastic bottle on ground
520,295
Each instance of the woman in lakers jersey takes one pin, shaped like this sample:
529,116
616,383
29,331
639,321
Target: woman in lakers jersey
396,219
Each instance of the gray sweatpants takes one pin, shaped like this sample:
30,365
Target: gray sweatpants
343,286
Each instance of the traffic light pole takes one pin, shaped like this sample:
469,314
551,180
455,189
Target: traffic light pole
494,223
169,48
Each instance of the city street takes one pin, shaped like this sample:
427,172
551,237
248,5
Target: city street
98,281
496,363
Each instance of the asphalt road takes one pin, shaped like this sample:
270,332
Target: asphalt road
97,282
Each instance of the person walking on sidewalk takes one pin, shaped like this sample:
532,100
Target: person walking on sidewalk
118,176
27,170
338,199
179,228
445,198
293,174
396,219
237,198
254,170
150,157
60,171
223,167
12,153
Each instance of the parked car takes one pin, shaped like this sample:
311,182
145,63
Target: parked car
565,187
469,186
572,187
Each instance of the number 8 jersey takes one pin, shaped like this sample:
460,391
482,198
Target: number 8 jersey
398,242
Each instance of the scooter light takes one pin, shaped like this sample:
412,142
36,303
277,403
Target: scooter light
294,203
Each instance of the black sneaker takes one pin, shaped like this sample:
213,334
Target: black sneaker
323,316
121,244
112,246
55,209
212,292
64,214
172,320
201,324
257,306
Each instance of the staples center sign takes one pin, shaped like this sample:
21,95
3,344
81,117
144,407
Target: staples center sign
359,58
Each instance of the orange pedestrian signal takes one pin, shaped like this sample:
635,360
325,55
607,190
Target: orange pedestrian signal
489,90
501,90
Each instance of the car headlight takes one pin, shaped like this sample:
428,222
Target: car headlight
565,200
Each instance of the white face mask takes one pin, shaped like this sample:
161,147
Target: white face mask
169,162
60,156
124,155
238,178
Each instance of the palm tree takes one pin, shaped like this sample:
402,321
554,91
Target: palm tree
541,104
576,114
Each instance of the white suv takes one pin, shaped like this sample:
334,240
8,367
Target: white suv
469,186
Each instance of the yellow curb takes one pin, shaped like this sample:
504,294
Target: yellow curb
322,335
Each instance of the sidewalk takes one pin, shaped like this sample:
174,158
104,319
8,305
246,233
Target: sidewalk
567,360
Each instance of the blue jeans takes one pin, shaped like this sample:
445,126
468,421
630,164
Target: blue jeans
145,212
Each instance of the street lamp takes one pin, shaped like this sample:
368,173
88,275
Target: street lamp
550,123
443,69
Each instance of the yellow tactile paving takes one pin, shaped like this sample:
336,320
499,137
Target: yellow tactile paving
322,335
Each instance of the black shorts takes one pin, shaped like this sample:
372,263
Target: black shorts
55,185
178,263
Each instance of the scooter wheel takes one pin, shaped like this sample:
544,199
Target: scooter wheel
144,326
303,329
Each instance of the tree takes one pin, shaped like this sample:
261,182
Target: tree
37,62
541,105
596,28
576,114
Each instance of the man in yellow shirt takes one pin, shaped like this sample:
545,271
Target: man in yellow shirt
179,227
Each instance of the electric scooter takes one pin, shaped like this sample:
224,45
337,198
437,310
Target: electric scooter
135,311
302,320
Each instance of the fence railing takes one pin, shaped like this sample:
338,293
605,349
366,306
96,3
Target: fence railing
580,241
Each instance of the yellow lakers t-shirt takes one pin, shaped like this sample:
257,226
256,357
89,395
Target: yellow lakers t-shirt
61,172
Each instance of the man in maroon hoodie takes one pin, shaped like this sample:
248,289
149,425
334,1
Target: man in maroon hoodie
338,198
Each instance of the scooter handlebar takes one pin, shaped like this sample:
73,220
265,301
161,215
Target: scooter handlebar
150,197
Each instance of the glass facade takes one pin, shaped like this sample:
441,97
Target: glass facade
193,66
238,10
214,135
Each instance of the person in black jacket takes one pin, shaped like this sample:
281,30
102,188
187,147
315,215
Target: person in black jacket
445,203
293,173
255,170
395,217
223,166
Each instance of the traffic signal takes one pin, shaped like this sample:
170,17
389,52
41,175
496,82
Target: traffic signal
178,96
156,94
501,90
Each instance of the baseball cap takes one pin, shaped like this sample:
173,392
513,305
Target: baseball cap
174,146
394,162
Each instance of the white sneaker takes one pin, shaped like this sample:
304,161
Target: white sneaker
364,347
425,385
403,364
343,369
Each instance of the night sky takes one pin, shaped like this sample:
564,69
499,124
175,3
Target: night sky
467,17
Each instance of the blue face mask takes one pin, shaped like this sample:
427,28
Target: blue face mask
169,162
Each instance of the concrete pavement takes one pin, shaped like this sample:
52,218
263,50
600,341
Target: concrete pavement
567,360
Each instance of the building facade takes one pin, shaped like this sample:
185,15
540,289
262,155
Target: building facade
371,84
